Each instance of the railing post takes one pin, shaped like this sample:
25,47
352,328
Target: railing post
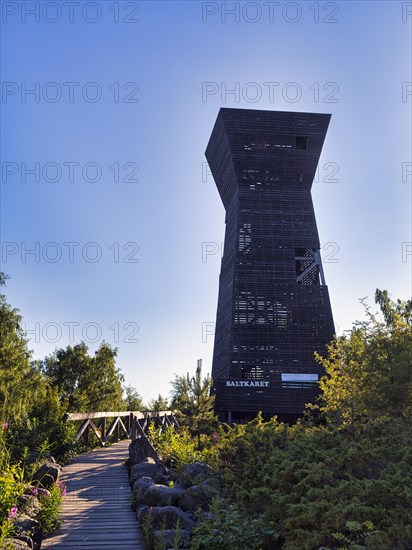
103,429
116,437
133,423
86,437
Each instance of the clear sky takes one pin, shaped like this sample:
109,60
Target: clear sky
107,108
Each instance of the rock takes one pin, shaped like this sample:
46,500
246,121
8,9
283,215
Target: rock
197,497
24,524
139,450
165,517
193,474
160,495
147,468
205,516
47,474
168,538
141,511
16,544
139,490
29,503
27,540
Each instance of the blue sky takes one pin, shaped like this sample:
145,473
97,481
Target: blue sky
147,81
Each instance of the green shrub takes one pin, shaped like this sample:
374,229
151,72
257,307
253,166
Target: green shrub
310,481
228,529
49,515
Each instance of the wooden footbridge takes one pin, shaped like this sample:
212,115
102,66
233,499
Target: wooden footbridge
96,511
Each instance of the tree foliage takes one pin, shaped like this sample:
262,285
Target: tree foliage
15,372
159,404
132,399
369,371
192,398
85,383
313,483
36,395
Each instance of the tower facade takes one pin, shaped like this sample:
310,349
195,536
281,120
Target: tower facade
273,308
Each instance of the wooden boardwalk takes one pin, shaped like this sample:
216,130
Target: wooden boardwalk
96,511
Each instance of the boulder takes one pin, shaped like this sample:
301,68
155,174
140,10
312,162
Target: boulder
17,544
47,474
165,517
197,497
24,524
29,503
168,538
147,468
29,541
193,474
140,449
139,490
160,495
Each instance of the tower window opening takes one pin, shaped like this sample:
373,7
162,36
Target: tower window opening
301,142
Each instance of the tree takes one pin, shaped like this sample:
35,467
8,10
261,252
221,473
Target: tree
85,383
15,373
103,382
191,396
132,399
66,369
368,372
159,404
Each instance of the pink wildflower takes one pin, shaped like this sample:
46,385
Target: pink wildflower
35,491
64,492
5,425
215,436
12,513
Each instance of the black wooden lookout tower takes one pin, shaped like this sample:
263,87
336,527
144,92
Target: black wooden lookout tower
273,309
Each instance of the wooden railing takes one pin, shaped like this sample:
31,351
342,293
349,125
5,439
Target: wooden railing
128,424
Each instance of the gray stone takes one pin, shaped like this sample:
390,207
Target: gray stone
25,524
27,540
16,544
47,474
139,489
169,537
29,503
148,468
141,511
166,517
197,497
140,449
193,474
160,495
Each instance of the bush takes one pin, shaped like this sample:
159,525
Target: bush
310,481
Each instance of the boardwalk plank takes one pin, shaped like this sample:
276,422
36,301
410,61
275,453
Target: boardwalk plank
96,511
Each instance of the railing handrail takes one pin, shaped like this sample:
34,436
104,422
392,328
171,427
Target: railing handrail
137,414
132,423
